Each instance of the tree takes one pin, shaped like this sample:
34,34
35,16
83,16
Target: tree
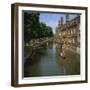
31,25
33,28
46,31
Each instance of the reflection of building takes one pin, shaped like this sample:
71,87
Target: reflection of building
68,34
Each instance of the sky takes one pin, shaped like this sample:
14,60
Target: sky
52,19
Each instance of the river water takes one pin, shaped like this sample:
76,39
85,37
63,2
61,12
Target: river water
46,62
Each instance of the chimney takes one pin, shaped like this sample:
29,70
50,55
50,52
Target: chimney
67,18
59,23
61,20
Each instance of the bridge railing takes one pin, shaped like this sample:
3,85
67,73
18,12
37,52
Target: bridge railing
38,42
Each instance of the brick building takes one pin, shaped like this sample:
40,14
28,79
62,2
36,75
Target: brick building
68,34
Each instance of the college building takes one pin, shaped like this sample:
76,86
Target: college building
68,34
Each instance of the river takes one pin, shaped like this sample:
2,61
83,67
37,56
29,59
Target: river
46,62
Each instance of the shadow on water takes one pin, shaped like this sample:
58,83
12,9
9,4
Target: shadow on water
32,64
28,61
32,59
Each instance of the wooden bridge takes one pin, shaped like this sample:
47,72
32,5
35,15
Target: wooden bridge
36,44
39,43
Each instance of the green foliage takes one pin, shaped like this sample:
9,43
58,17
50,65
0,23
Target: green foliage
33,28
46,30
31,25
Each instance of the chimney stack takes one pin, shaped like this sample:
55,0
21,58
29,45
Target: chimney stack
61,20
59,23
67,18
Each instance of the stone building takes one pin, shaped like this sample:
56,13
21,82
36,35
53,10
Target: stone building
68,34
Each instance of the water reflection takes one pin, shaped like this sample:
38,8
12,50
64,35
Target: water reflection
46,62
